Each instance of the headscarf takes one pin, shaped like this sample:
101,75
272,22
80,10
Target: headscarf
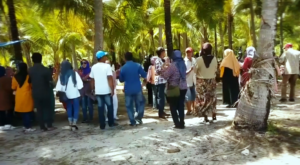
2,71
153,59
231,62
21,74
87,69
66,71
179,62
250,51
206,54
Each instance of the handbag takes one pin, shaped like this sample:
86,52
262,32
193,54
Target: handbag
173,91
62,95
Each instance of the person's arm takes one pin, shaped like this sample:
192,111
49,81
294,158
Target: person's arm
110,80
246,64
121,76
92,81
58,85
14,84
282,58
143,74
79,81
166,74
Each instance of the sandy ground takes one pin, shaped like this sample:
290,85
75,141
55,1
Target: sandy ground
215,144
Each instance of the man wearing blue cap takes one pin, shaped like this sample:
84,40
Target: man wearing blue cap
130,74
103,86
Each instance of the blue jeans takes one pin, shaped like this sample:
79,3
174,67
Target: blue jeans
102,101
26,117
139,101
87,104
73,109
161,98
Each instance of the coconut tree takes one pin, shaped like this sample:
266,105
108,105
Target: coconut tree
14,29
168,28
254,104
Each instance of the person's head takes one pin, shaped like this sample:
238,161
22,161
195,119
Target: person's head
161,52
101,56
206,49
65,66
36,58
153,59
177,55
250,51
288,46
2,71
128,56
22,68
84,64
228,52
189,53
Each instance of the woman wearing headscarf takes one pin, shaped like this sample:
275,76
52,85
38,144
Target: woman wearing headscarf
150,79
205,68
247,65
23,96
6,101
175,74
86,100
229,72
70,83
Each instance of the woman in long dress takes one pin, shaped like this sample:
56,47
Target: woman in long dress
206,99
229,72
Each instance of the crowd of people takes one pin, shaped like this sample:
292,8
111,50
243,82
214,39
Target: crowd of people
180,81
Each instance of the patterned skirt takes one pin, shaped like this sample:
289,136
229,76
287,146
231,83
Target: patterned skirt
206,99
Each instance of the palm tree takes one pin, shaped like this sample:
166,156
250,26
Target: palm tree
98,43
168,28
14,30
254,104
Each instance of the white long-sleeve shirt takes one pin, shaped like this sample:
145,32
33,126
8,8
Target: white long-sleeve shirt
72,90
291,59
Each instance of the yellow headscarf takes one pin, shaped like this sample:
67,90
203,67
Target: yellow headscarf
231,62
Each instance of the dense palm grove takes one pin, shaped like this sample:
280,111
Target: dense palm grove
66,29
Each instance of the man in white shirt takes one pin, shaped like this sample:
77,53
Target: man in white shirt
103,86
190,79
290,58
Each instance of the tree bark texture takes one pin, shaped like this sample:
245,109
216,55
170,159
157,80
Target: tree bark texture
74,59
281,33
221,37
184,41
253,34
160,35
168,28
254,104
98,44
230,20
14,30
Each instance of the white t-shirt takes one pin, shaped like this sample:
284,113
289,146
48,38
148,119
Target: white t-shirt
99,73
72,91
190,78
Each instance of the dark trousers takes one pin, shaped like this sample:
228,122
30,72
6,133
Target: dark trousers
161,98
45,113
154,97
27,117
177,108
291,79
6,117
150,97
102,101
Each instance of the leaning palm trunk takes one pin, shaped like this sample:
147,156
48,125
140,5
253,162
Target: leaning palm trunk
254,104
74,59
98,45
14,30
168,28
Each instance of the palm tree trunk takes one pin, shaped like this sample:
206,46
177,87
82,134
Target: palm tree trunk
281,33
98,44
184,41
74,59
168,28
160,35
216,42
152,39
230,20
221,37
179,44
252,24
14,30
254,104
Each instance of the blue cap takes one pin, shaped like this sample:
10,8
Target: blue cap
101,54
